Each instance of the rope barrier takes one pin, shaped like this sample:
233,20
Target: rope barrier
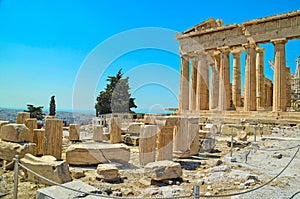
256,188
90,193
83,193
294,195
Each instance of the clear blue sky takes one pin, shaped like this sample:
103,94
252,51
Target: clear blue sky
67,48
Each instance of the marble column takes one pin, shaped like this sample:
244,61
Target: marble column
202,83
236,81
184,84
193,86
214,89
250,79
288,87
260,84
279,87
224,80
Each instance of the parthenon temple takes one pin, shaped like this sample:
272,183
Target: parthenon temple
205,65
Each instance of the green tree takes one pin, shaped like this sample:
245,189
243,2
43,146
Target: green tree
52,109
35,112
116,98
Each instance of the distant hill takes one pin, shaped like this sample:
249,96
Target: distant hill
10,115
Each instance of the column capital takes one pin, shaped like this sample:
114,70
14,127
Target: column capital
184,56
260,50
249,45
224,49
236,52
200,53
214,52
279,41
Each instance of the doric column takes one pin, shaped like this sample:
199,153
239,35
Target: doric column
202,83
184,84
224,80
236,81
288,87
193,86
250,79
279,87
260,84
214,89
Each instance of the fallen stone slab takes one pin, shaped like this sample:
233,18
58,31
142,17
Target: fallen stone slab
8,150
48,167
60,192
16,133
163,170
107,173
95,153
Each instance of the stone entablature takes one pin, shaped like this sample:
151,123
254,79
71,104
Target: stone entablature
254,31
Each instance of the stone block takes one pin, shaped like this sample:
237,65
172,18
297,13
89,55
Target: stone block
16,133
2,123
134,128
31,123
96,153
98,133
74,132
147,144
115,130
38,139
22,117
107,173
8,150
163,170
48,167
131,140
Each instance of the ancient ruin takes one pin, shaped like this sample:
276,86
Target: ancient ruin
207,144
209,45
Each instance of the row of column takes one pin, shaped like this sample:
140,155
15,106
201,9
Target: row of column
195,94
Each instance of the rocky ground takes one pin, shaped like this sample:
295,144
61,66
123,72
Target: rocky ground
215,176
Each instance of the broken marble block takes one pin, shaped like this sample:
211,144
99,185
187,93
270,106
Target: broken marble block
16,133
107,173
163,170
8,150
48,167
60,192
2,123
96,153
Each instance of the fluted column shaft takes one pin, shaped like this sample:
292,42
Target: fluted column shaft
260,84
202,83
279,88
214,89
250,79
193,86
236,81
184,84
224,80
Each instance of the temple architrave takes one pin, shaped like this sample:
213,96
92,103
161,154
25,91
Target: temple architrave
205,65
